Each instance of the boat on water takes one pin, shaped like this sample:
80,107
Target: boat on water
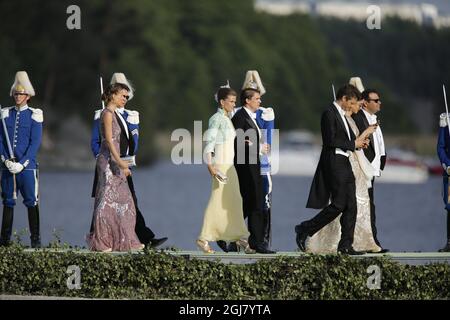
299,155
434,166
403,167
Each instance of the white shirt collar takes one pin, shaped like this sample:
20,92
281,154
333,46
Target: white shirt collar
120,110
25,107
342,113
372,118
339,109
250,113
253,117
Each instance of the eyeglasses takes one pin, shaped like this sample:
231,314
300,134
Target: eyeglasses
19,94
374,100
126,97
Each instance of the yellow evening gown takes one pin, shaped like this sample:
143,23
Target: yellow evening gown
223,218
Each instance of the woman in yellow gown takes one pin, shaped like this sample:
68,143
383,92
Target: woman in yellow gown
223,218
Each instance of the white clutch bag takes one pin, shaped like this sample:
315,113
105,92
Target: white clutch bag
130,160
222,178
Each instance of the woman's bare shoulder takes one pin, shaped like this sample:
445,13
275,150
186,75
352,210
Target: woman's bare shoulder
106,113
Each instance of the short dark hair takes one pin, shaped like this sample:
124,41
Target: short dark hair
348,91
113,89
367,92
223,93
247,94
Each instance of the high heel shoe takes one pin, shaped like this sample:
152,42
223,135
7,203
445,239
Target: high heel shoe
243,245
204,246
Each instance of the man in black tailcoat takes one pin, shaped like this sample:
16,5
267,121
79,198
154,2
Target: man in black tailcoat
333,188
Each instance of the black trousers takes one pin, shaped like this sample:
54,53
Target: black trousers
251,189
448,225
345,203
372,214
144,233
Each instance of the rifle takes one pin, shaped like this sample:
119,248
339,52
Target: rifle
101,90
446,108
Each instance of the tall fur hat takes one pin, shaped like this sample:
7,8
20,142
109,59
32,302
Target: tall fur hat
253,81
119,77
22,84
356,82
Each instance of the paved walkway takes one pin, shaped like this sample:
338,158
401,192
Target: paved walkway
413,258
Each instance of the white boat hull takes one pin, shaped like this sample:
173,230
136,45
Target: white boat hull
299,163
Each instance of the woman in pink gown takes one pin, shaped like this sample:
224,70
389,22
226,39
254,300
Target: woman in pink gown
114,211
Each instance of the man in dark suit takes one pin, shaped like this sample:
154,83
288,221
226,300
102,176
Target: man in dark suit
334,179
375,152
248,167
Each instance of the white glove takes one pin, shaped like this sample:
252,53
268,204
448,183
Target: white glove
9,164
447,170
16,168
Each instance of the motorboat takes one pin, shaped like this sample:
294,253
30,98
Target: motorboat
299,155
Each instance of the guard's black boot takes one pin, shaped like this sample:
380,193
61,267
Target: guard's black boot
447,247
33,221
7,223
267,228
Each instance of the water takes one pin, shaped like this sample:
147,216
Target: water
172,199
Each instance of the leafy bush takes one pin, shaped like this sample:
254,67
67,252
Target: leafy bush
159,275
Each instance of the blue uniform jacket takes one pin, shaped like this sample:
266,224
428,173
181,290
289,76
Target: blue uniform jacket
443,151
25,135
132,120
443,147
265,118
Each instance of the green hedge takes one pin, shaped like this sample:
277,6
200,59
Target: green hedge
158,275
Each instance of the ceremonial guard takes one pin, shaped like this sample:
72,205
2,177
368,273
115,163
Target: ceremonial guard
443,151
129,123
21,136
265,117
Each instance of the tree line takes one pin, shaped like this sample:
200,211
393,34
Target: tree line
178,52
